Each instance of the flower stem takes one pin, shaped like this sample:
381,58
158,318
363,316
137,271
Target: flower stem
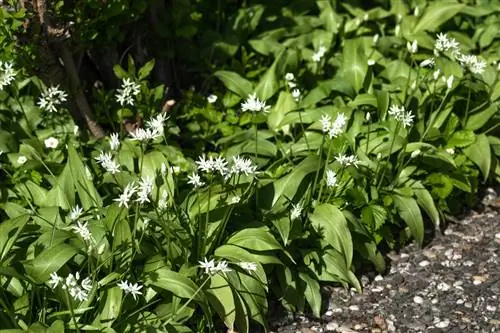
317,169
389,154
70,304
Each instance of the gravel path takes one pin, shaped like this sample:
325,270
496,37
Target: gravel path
451,285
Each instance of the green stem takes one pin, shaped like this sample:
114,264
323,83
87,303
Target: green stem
467,106
389,154
434,116
70,304
324,170
317,169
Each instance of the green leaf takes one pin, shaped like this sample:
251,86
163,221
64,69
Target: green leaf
436,14
235,83
89,197
146,69
478,119
410,213
220,296
257,239
122,244
288,185
312,293
9,232
236,253
480,154
49,261
461,139
268,84
374,215
176,283
329,221
355,64
112,307
424,200
284,105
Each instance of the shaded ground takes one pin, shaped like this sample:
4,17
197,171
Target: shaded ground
451,285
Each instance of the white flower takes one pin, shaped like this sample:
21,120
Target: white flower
416,11
346,160
107,162
412,47
443,44
253,104
208,266
331,178
204,164
142,134
436,74
368,116
249,266
415,153
79,291
397,30
320,54
334,128
129,288
401,115
221,267
212,99
128,192
450,151
7,74
296,211
145,189
51,98
371,62
157,124
289,77
51,142
220,164
243,165
22,159
296,94
195,180
162,202
114,141
83,230
471,62
428,62
127,92
235,200
76,130
75,213
375,39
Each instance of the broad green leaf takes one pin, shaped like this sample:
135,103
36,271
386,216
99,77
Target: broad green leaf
355,64
410,213
176,283
424,200
89,197
374,215
235,83
285,104
236,253
220,296
112,307
288,185
257,239
9,232
329,221
312,293
145,70
478,119
461,139
480,154
436,14
49,261
122,244
268,84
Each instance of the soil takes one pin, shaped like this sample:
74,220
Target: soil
450,285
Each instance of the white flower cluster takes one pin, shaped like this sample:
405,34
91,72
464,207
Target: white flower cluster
471,62
331,178
316,57
296,211
129,288
335,128
155,128
79,291
51,98
222,266
7,74
346,160
114,141
143,191
83,231
107,162
400,114
127,92
75,213
253,104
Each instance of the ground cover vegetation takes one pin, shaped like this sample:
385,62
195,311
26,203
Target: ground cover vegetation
316,136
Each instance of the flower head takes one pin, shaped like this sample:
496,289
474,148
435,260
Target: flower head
253,104
195,180
412,47
212,99
127,92
7,74
400,114
289,77
145,189
331,178
107,162
428,62
83,231
78,290
296,211
75,213
129,288
243,165
335,128
249,266
472,63
51,142
296,94
208,266
316,57
114,141
126,196
51,98
22,159
346,160
444,43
